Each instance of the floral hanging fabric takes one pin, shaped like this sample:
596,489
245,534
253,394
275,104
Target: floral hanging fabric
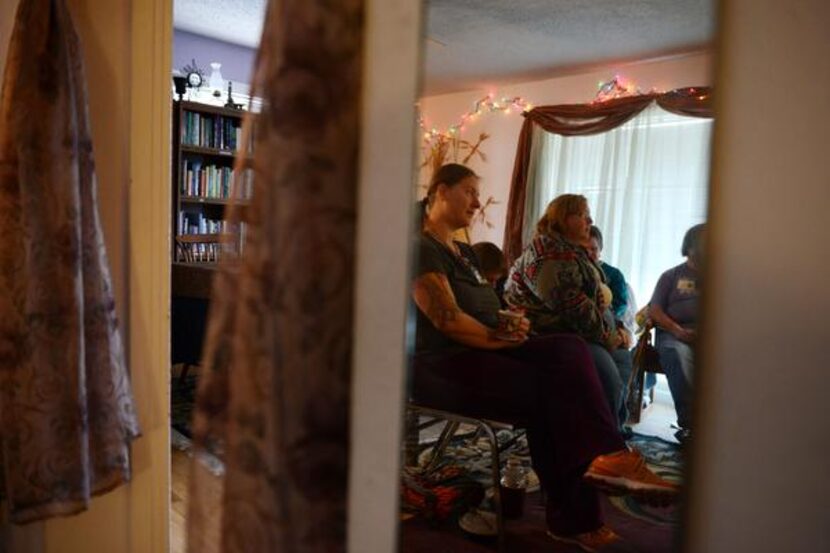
275,386
66,409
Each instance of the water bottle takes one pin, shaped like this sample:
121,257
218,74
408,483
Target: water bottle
513,486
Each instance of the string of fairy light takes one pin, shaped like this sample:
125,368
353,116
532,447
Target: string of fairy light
488,104
617,87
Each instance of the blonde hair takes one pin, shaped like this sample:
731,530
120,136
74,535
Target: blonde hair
553,221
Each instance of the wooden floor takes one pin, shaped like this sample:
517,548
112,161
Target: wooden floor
180,471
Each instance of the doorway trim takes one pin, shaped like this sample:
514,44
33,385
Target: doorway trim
149,275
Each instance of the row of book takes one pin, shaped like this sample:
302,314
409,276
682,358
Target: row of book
197,223
213,181
210,131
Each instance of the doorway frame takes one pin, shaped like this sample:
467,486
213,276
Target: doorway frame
149,262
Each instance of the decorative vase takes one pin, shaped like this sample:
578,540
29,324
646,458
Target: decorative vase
216,82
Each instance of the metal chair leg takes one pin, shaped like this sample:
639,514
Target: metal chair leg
443,441
412,437
453,422
496,468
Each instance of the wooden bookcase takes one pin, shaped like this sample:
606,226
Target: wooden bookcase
206,140
205,146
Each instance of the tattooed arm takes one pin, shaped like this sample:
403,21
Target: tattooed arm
434,297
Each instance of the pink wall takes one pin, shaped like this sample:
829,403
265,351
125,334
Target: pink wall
444,110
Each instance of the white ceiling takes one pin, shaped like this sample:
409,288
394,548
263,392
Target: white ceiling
475,43
235,21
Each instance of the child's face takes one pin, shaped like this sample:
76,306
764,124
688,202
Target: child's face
493,276
593,249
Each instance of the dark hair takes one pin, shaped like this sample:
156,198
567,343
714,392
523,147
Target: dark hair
449,175
691,239
597,234
490,257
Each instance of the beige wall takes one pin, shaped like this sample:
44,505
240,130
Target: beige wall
444,110
760,478
135,221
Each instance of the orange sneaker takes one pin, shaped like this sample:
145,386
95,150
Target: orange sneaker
625,473
590,541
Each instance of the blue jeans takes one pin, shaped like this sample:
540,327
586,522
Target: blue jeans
677,359
614,369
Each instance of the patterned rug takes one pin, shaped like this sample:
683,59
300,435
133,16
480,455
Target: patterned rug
182,400
664,458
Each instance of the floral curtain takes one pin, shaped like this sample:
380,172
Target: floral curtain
66,409
583,120
274,393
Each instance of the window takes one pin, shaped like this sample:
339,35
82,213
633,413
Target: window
646,184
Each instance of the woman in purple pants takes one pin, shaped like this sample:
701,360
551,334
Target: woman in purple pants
463,363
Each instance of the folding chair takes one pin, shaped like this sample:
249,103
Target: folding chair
453,420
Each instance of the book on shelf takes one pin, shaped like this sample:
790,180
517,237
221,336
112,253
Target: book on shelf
207,142
207,130
200,239
212,181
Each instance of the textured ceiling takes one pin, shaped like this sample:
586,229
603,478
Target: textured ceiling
236,21
475,43
479,42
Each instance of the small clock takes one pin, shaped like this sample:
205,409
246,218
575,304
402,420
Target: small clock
194,79
194,74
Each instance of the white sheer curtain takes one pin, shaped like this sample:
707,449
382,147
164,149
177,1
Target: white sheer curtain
646,184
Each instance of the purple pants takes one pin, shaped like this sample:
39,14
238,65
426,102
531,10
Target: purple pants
550,386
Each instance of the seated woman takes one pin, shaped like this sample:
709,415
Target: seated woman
614,277
562,290
673,308
465,365
623,304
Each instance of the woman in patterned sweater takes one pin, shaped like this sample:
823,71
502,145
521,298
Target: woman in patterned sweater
562,290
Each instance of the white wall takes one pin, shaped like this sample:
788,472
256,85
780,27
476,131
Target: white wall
760,480
444,110
382,278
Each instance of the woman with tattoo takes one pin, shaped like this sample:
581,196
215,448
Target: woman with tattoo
465,364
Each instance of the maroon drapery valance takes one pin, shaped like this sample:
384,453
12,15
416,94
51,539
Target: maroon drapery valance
583,120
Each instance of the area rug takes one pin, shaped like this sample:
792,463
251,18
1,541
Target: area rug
665,459
527,534
182,401
473,453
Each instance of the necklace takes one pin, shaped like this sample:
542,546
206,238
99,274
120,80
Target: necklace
450,246
458,256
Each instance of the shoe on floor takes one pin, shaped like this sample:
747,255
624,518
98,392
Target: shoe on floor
625,473
598,540
683,435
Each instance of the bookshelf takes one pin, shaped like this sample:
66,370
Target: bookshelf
206,142
205,147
